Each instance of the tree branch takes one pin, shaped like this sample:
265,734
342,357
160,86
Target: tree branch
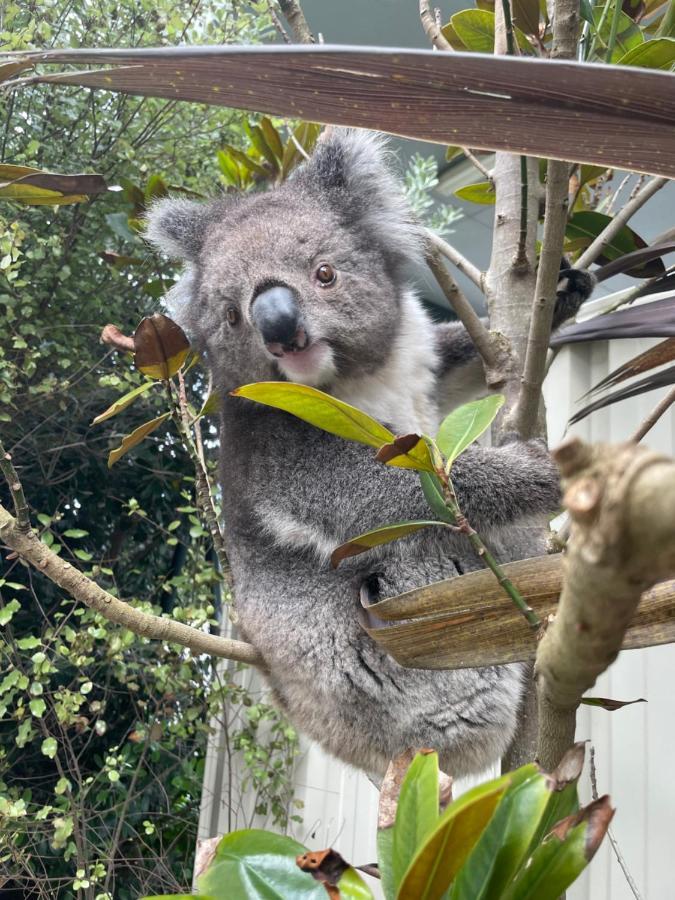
16,490
77,585
296,21
650,421
473,273
621,502
592,252
431,28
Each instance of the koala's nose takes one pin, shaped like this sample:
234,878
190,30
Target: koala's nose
276,315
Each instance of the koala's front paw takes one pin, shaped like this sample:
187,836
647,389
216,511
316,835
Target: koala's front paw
574,286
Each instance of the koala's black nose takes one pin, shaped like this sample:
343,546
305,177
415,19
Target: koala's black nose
276,315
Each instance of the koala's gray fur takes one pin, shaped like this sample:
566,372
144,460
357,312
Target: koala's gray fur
292,493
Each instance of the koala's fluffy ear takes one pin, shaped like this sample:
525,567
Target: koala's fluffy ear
176,227
351,169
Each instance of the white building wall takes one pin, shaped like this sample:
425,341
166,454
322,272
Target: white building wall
634,746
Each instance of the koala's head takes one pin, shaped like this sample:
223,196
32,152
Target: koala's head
303,281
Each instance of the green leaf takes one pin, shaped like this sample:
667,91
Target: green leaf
259,141
353,887
122,402
28,643
433,494
8,610
211,405
385,843
476,29
319,409
75,533
526,15
628,35
656,54
583,227
453,38
563,856
483,192
179,897
49,747
258,865
465,424
136,436
245,160
274,142
416,813
378,536
442,855
37,707
504,845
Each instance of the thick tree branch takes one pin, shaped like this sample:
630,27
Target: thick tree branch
592,252
297,22
621,501
77,585
431,27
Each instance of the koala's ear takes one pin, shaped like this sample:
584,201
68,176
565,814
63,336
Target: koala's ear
351,169
177,227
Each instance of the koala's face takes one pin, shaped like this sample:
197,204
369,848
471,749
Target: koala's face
302,282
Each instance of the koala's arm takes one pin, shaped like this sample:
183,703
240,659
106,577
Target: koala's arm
461,369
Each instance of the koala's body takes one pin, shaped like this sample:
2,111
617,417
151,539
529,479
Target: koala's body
308,282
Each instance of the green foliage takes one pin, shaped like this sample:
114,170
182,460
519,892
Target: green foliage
518,837
465,425
102,733
420,179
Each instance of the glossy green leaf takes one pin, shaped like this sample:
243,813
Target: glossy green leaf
353,887
211,405
476,29
563,856
123,402
444,852
377,537
628,35
583,227
465,424
135,438
385,861
319,409
505,844
452,152
656,54
433,495
483,192
272,137
416,813
245,160
258,865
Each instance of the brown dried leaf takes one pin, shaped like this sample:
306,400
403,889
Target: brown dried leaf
610,705
160,347
326,866
643,362
598,815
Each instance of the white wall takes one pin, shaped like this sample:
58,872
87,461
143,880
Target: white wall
634,746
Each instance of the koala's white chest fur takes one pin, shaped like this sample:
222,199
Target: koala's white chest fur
401,393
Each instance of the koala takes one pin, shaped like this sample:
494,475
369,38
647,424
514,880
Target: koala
309,282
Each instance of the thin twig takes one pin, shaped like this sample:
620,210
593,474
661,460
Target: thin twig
610,834
16,490
276,21
473,273
485,172
590,255
648,423
483,340
431,27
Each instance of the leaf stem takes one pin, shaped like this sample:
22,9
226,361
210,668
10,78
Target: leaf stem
613,31
483,553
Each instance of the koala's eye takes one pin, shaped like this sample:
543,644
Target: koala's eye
326,275
232,315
